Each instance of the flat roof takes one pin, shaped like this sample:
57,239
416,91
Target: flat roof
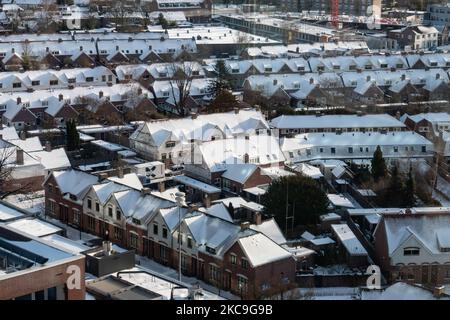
196,184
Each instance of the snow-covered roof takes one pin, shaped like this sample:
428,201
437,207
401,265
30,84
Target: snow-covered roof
433,117
55,159
218,210
271,230
239,172
329,216
9,133
432,230
8,212
34,227
336,121
261,250
339,200
65,243
107,145
349,240
196,184
74,182
308,170
203,126
217,155
130,180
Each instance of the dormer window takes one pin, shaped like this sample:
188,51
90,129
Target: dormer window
136,221
411,251
170,144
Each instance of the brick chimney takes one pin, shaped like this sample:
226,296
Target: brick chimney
145,191
161,186
103,176
193,115
19,156
236,110
206,201
246,158
60,97
19,100
120,172
438,291
100,94
245,225
257,218
48,146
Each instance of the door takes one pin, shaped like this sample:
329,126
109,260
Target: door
227,280
194,266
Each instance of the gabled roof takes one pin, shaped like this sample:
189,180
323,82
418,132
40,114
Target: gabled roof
239,172
74,181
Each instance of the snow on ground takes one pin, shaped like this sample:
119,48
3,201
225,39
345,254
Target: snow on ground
172,273
33,202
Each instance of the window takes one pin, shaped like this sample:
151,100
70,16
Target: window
411,251
89,79
91,223
189,242
424,149
170,144
350,150
117,233
76,216
118,214
244,263
52,206
214,272
35,83
233,259
17,85
155,228
89,203
333,150
134,240
53,82
242,284
97,206
110,211
103,78
136,221
164,233
395,149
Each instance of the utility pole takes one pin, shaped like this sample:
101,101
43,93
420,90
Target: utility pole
180,201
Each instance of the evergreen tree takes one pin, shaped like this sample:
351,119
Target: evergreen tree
73,138
394,194
223,102
300,192
222,81
378,165
409,200
163,21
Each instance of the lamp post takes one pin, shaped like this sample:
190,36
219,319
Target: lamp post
180,199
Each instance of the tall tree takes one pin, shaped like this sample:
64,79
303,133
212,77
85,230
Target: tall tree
409,192
304,198
394,194
378,165
73,137
222,81
225,101
163,21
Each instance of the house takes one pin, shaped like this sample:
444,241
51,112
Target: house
415,37
355,253
194,11
413,247
29,163
287,125
64,193
428,124
211,159
172,139
238,177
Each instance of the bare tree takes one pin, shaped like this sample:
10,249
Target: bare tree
7,166
180,84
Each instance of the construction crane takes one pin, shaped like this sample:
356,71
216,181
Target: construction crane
335,13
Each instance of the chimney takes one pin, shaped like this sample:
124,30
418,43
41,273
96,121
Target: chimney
48,146
145,191
245,225
100,94
139,91
13,50
19,100
120,172
397,115
257,218
368,78
60,97
193,115
438,76
403,76
206,201
47,49
439,291
103,176
22,135
311,80
161,186
236,110
246,158
117,48
19,156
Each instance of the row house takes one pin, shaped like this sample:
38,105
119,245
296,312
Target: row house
288,125
169,94
195,11
171,140
415,37
413,247
52,79
29,109
147,74
355,145
211,159
89,50
219,252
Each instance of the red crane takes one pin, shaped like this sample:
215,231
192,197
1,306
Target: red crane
335,13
